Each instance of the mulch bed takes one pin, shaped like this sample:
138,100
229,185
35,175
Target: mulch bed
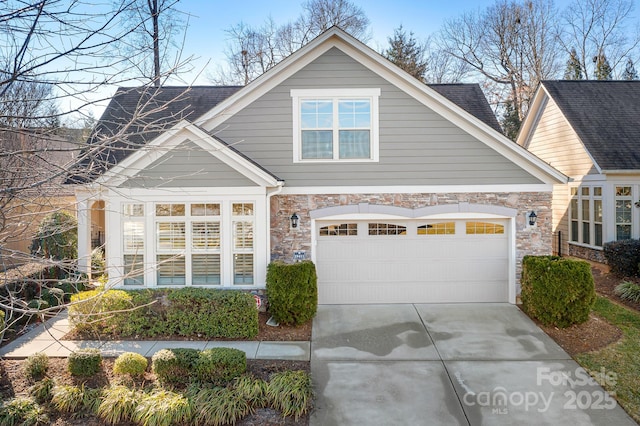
13,382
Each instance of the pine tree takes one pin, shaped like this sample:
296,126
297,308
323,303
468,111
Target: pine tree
405,51
603,70
510,120
630,72
574,68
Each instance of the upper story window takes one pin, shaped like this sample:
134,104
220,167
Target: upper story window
335,125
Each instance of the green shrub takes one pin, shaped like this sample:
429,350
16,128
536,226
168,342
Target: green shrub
174,366
213,313
628,291
38,304
118,404
292,291
95,310
130,363
219,365
57,237
162,408
623,257
557,291
218,406
35,366
290,392
84,362
42,390
22,411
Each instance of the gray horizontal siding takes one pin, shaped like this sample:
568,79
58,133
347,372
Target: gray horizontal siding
187,165
417,146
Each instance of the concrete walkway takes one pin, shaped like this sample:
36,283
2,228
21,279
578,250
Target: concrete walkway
47,337
467,364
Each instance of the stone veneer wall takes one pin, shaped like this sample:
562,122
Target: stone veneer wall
587,253
529,240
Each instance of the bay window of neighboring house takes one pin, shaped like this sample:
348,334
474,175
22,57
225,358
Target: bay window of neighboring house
585,215
335,125
624,201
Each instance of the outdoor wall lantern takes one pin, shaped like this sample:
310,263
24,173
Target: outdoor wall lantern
533,218
295,219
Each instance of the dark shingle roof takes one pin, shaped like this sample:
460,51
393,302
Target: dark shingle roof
118,133
470,98
136,116
605,115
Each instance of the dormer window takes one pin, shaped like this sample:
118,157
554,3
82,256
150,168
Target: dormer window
335,125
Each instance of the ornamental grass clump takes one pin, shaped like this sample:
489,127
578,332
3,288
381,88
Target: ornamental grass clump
290,392
218,406
628,291
118,404
163,408
22,411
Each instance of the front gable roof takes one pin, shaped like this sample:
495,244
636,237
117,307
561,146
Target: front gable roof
438,99
604,115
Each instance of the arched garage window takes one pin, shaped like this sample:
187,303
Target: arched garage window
441,228
339,229
484,228
386,229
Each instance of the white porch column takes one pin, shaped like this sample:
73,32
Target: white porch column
84,236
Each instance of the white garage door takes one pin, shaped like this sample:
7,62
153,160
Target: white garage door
413,261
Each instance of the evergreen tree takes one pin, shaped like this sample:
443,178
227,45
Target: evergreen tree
510,120
405,51
603,70
630,72
574,69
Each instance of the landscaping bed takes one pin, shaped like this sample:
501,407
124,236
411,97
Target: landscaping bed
13,382
608,341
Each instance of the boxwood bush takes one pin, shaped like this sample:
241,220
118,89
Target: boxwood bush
220,365
292,291
130,363
84,362
174,366
557,291
623,257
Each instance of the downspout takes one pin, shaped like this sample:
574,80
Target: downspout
271,193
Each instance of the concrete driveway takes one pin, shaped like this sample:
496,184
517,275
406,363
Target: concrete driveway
468,364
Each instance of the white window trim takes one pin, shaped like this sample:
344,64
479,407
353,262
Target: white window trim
591,219
373,94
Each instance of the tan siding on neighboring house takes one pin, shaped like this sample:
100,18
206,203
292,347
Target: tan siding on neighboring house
417,146
555,142
560,218
187,165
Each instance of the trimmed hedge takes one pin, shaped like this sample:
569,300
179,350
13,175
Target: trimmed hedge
292,291
183,365
84,362
220,365
130,363
623,257
557,291
191,312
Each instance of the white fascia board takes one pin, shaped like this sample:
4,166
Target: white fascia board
621,172
417,189
533,116
172,138
186,193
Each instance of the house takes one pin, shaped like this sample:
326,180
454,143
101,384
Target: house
589,130
32,164
398,191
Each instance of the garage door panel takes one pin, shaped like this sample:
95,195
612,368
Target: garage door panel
413,268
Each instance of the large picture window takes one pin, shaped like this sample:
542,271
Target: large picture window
335,124
133,237
585,215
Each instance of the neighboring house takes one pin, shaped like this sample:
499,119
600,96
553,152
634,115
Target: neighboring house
590,131
398,191
32,172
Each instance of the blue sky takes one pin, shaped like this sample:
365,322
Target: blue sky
206,37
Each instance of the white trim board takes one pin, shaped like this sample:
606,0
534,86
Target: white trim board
418,189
